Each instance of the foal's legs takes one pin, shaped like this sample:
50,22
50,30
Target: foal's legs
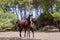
28,32
32,31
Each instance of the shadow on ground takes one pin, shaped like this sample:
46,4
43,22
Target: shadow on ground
15,38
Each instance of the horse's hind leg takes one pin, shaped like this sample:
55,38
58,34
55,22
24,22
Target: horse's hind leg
20,30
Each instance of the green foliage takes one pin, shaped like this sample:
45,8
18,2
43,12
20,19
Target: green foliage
45,3
57,2
5,5
35,3
7,20
56,16
42,20
45,19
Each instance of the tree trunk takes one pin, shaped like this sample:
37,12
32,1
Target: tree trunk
21,13
16,13
51,9
20,9
59,25
40,10
24,13
25,8
36,12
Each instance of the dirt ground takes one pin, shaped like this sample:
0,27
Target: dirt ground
37,36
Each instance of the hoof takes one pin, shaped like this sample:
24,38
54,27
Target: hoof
20,35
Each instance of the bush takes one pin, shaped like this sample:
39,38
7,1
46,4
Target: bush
45,28
7,20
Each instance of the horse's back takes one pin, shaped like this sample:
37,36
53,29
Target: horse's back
23,22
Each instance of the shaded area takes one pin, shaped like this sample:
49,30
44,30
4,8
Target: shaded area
16,38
